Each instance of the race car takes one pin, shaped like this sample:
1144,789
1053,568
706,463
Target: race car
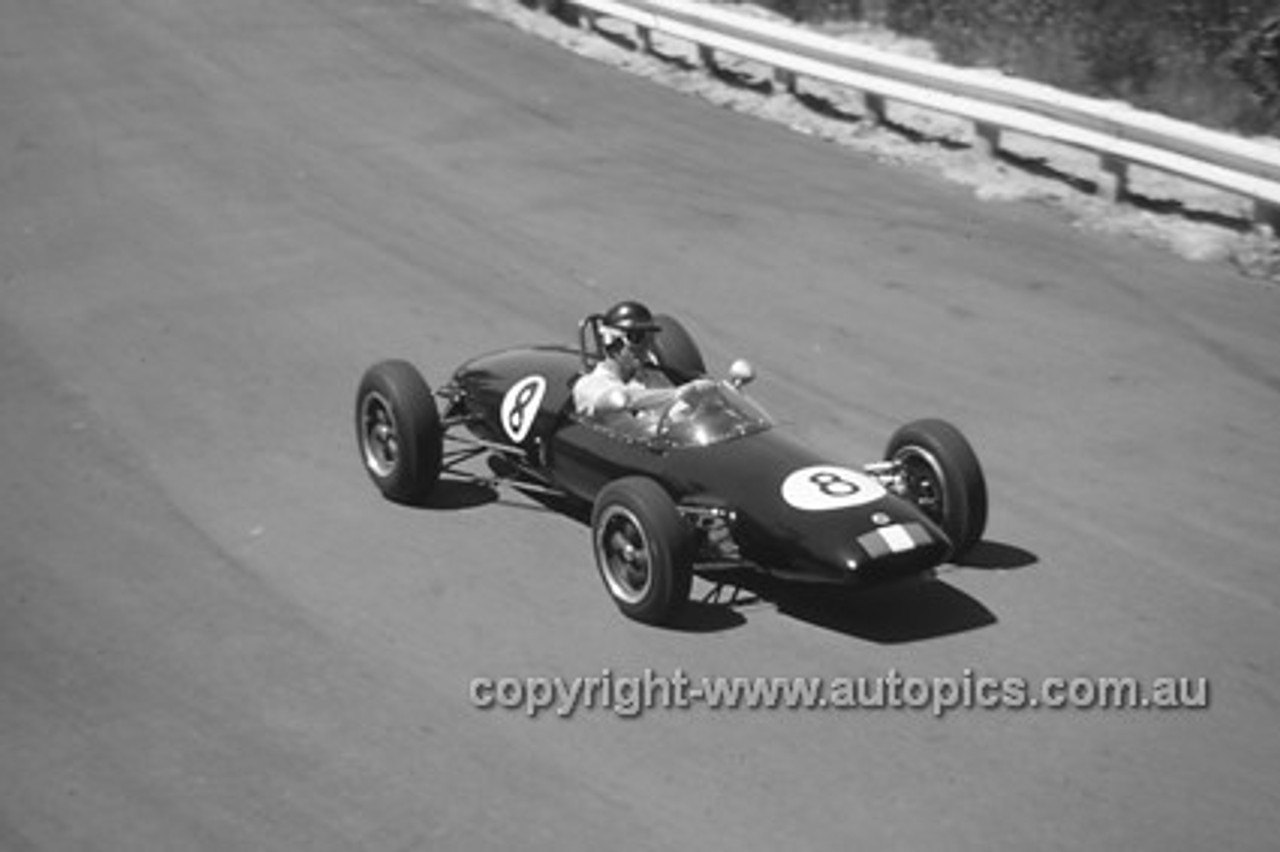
707,481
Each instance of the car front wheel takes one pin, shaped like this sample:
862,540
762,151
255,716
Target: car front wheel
399,431
643,549
941,475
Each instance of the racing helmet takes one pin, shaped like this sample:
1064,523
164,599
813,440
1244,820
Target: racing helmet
629,321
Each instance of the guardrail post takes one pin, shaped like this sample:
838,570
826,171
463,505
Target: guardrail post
565,10
986,139
644,38
875,106
1113,180
1266,215
707,57
784,81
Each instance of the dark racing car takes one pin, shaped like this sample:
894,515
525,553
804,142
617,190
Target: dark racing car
706,481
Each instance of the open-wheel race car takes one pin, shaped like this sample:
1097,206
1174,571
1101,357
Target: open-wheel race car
706,481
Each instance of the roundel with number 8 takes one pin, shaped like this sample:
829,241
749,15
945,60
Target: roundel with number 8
520,406
824,487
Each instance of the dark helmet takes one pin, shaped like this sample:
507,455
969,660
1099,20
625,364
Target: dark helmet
630,316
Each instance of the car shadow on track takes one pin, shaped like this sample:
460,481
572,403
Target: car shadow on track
997,556
450,495
895,614
892,615
457,494
905,612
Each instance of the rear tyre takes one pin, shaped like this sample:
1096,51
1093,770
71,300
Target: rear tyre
643,549
676,351
943,477
399,432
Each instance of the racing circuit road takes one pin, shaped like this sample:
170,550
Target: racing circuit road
214,635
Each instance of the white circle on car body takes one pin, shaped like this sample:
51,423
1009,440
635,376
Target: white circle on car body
520,406
825,487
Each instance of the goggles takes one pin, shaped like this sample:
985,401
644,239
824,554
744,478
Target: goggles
637,337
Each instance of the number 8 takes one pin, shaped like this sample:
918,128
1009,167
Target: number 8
825,487
833,484
520,407
515,420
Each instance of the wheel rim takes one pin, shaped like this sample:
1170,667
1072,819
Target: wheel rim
925,481
624,554
379,437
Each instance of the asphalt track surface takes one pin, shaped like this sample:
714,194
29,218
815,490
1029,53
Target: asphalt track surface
214,634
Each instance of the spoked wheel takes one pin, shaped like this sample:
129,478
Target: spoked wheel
643,549
941,475
399,432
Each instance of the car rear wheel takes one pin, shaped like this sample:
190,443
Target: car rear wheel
676,350
942,476
643,549
399,431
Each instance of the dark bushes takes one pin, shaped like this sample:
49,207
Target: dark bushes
1214,62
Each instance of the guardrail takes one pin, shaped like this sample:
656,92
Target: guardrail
1120,135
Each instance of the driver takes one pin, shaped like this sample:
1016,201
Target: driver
628,377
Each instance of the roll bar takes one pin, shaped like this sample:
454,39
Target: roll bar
591,355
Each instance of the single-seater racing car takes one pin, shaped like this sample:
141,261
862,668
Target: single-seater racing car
707,481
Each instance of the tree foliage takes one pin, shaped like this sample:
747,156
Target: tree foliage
1216,62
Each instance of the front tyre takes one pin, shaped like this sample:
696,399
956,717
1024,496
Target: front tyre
941,475
399,431
643,549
